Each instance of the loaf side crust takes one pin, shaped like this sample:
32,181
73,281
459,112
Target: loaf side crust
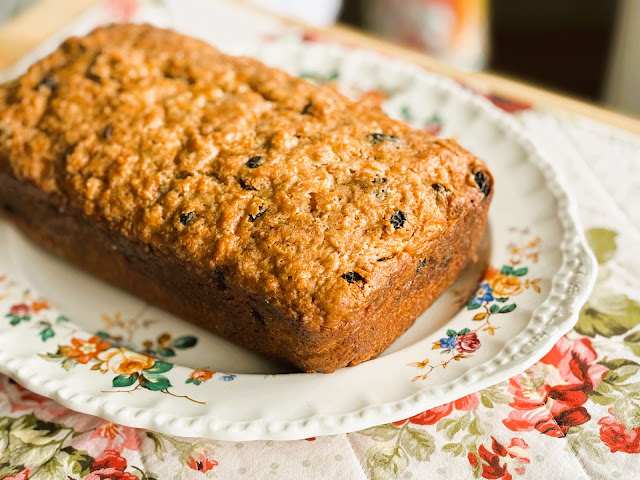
272,211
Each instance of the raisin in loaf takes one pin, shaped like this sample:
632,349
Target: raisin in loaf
271,211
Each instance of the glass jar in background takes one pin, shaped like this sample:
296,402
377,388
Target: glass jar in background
455,31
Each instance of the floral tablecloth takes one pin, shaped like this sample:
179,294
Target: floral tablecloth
573,415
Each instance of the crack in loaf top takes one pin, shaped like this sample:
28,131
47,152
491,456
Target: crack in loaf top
291,189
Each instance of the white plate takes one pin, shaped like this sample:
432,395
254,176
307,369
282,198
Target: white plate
547,272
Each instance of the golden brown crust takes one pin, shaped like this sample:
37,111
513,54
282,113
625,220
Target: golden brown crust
311,210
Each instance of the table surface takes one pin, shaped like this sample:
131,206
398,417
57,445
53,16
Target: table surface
573,415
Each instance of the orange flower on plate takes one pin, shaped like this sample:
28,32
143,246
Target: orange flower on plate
201,375
505,285
40,305
490,273
84,350
126,362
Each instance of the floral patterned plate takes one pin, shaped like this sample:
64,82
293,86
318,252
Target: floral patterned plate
98,350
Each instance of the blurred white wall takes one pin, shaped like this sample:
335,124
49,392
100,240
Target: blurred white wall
622,90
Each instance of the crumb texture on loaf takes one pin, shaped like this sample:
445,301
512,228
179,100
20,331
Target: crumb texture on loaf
244,173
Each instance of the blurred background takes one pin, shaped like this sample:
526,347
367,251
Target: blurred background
589,49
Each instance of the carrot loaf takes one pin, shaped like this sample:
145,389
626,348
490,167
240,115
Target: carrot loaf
271,211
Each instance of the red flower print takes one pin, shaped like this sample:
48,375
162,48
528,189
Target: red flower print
311,37
537,409
110,466
555,406
202,464
433,128
495,463
616,436
576,361
518,451
110,474
434,415
429,417
19,398
23,475
467,343
111,436
106,430
469,402
509,105
19,310
123,10
85,350
491,467
109,459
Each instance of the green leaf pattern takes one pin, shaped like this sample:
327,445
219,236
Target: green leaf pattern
45,450
395,447
607,313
